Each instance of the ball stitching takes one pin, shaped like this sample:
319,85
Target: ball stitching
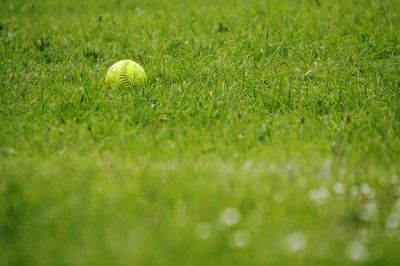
124,76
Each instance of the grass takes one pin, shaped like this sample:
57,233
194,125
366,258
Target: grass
268,133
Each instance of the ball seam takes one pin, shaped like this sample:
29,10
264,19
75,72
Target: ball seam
124,76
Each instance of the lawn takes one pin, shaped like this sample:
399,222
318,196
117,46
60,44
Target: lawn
268,133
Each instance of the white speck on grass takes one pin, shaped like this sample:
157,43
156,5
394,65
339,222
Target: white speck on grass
369,211
8,151
290,170
393,220
230,216
367,191
240,239
365,236
296,241
357,251
319,196
364,190
202,231
247,166
325,171
138,10
339,188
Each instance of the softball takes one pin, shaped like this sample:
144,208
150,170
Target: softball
125,74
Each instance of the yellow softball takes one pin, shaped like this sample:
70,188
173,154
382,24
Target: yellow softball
125,74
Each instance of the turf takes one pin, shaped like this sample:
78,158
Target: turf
268,133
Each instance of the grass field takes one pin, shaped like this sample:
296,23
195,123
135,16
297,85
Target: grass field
268,133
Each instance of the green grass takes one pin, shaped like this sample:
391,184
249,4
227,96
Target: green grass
286,111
